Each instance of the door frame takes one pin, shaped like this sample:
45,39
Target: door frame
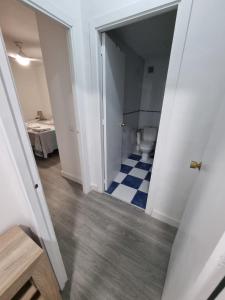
128,15
46,7
24,159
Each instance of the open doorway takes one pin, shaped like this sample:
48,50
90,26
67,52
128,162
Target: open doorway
38,52
33,42
135,63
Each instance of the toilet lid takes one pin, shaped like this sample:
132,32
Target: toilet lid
146,146
149,134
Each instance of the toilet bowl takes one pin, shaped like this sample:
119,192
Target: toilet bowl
148,140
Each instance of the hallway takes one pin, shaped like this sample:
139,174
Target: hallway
111,250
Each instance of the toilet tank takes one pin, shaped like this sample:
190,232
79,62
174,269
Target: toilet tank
149,134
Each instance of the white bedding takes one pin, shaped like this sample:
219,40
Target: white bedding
42,137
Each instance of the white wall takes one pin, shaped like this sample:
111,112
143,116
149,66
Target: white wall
53,40
32,89
153,91
43,90
134,70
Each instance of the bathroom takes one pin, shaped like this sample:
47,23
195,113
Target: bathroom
145,50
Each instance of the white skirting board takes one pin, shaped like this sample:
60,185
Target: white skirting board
96,188
71,177
164,218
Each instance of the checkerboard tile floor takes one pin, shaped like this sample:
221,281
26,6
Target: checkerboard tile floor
132,182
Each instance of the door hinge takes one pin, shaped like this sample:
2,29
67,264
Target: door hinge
103,122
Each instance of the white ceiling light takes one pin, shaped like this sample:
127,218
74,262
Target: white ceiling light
24,61
20,57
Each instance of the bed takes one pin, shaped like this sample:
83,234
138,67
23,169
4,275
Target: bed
42,137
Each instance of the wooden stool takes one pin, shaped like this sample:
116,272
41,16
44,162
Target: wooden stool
25,271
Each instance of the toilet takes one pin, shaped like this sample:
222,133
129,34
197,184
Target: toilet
147,142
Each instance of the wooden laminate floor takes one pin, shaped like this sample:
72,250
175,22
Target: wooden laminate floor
111,250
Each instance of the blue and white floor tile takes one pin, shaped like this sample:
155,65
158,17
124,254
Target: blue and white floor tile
132,182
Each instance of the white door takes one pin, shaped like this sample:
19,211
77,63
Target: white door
197,262
113,97
189,107
194,251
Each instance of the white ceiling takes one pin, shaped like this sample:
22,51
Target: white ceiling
150,37
18,23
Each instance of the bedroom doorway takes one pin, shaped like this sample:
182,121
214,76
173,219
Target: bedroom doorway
43,78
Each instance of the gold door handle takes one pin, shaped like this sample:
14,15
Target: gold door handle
195,165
